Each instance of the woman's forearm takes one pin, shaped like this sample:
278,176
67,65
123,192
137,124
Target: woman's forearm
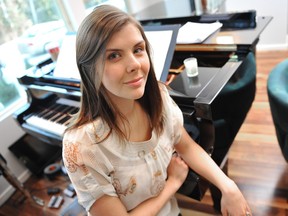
198,160
232,201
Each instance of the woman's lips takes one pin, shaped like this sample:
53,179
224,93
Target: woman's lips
135,82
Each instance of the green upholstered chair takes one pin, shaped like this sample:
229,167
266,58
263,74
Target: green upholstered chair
230,107
277,88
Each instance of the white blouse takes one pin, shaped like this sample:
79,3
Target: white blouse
134,171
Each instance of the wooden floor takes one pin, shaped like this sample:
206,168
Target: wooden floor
255,161
18,206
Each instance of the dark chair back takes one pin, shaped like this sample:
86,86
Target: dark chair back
230,107
277,89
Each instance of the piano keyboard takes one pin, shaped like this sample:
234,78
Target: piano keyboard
54,119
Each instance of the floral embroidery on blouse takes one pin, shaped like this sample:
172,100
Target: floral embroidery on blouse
129,189
158,186
70,154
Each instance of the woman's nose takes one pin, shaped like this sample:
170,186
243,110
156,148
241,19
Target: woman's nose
133,64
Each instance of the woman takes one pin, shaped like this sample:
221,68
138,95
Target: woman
119,150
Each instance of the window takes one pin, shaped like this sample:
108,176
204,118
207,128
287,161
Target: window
90,4
9,90
93,3
27,27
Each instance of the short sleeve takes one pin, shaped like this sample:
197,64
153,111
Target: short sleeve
173,114
87,167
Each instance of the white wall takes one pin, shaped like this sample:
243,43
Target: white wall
9,130
273,37
9,133
275,34
134,6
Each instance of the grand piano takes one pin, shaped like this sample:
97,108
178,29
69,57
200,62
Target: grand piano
51,102
53,99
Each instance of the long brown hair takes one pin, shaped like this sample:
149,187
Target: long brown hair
92,37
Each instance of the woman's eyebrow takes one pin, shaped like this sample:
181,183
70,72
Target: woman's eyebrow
140,43
113,49
119,49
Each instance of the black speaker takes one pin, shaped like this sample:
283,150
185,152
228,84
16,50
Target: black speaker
35,154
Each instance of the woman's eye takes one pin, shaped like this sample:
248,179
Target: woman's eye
113,56
139,50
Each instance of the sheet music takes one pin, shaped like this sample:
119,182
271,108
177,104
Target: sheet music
160,42
66,66
192,32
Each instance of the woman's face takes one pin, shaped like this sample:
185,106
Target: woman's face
126,65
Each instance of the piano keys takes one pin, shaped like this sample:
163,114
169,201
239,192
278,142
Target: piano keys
55,118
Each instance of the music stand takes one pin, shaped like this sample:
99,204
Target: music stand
162,39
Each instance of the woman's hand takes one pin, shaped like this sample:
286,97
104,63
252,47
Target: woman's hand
177,171
233,203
